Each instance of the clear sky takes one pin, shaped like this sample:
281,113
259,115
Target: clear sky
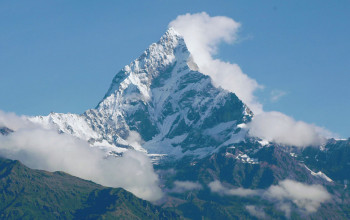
62,55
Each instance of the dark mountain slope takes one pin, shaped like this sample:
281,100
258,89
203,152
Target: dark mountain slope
34,194
250,166
333,160
5,131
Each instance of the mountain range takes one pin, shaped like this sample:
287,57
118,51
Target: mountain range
197,137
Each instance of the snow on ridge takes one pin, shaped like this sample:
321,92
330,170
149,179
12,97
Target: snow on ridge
68,123
142,70
319,174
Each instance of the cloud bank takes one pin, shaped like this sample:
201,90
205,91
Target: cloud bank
202,35
307,198
14,122
45,149
282,129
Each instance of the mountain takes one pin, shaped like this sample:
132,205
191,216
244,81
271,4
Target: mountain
162,96
196,135
35,194
248,165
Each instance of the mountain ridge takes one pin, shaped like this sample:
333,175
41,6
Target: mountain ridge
161,96
28,193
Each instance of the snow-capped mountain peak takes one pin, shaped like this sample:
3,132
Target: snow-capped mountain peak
161,96
151,63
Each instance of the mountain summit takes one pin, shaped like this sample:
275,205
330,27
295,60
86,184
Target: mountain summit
163,98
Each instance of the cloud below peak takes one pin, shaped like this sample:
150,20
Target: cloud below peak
282,129
183,186
46,149
307,198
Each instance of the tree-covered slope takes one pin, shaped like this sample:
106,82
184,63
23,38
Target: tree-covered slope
34,194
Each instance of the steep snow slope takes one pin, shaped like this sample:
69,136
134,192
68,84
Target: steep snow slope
162,97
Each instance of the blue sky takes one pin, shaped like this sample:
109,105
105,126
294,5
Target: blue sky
62,55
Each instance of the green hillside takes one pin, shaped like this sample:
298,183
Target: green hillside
35,194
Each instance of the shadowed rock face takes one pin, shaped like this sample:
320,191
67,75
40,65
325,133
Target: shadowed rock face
5,131
333,160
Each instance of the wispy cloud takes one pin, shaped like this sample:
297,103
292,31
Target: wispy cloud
184,186
256,211
217,187
307,198
276,95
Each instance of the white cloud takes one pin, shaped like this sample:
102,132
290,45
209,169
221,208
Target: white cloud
282,129
183,186
217,187
256,211
134,139
307,198
202,35
45,149
12,121
276,95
